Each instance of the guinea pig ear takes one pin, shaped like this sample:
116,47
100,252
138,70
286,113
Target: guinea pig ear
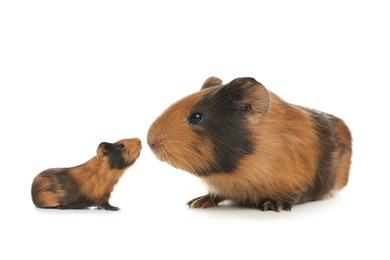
212,82
102,150
253,97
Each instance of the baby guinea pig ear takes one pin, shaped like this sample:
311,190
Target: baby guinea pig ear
102,150
212,82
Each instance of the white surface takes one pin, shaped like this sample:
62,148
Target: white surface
75,73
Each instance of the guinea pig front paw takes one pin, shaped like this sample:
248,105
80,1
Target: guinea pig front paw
274,205
205,201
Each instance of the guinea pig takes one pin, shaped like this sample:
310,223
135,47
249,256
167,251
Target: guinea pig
89,184
251,147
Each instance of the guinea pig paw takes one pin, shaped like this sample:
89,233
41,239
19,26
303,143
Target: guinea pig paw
113,208
107,206
268,205
286,206
273,205
205,201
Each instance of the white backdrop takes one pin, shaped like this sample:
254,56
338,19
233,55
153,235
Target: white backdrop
76,73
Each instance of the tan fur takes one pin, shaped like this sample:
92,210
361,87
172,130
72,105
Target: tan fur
274,173
179,112
212,82
95,179
342,158
47,198
288,154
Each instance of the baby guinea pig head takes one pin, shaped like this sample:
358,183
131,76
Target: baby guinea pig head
121,154
209,131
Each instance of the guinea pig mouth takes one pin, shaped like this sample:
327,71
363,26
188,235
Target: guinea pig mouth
157,153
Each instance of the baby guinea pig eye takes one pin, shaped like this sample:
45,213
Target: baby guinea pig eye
196,118
121,146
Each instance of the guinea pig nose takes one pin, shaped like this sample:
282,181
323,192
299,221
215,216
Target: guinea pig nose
152,142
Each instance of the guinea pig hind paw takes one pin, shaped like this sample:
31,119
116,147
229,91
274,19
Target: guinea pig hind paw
107,206
113,208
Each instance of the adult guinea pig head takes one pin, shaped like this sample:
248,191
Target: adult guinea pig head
209,131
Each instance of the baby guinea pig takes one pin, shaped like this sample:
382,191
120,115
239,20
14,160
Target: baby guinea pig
89,184
251,147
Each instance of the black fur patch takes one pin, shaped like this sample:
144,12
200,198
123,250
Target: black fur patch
114,152
325,174
224,125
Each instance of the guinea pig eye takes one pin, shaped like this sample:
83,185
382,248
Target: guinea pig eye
196,118
121,146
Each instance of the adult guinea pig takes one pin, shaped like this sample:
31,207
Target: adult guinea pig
89,184
253,148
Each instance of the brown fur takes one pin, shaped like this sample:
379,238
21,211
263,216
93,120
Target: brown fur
292,161
341,158
180,137
86,185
